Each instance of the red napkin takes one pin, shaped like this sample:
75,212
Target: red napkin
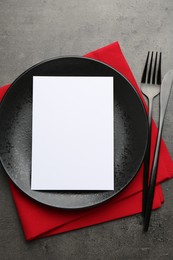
39,220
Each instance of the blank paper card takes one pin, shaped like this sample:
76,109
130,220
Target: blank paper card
72,133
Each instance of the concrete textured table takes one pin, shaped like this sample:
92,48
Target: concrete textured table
32,31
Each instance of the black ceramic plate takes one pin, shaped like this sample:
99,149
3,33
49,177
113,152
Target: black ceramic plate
130,130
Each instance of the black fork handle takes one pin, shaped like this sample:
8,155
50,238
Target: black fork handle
147,158
152,185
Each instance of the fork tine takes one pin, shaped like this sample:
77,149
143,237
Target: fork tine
150,68
154,70
143,80
159,70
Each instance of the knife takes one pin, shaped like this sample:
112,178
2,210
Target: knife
164,97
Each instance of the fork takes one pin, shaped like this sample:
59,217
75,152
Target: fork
150,87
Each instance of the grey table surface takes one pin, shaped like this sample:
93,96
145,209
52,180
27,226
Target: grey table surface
31,31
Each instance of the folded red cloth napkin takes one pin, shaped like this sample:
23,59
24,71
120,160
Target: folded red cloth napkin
39,220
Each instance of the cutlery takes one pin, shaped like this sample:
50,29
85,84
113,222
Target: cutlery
164,97
150,87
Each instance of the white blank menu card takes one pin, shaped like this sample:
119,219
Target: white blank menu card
72,133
